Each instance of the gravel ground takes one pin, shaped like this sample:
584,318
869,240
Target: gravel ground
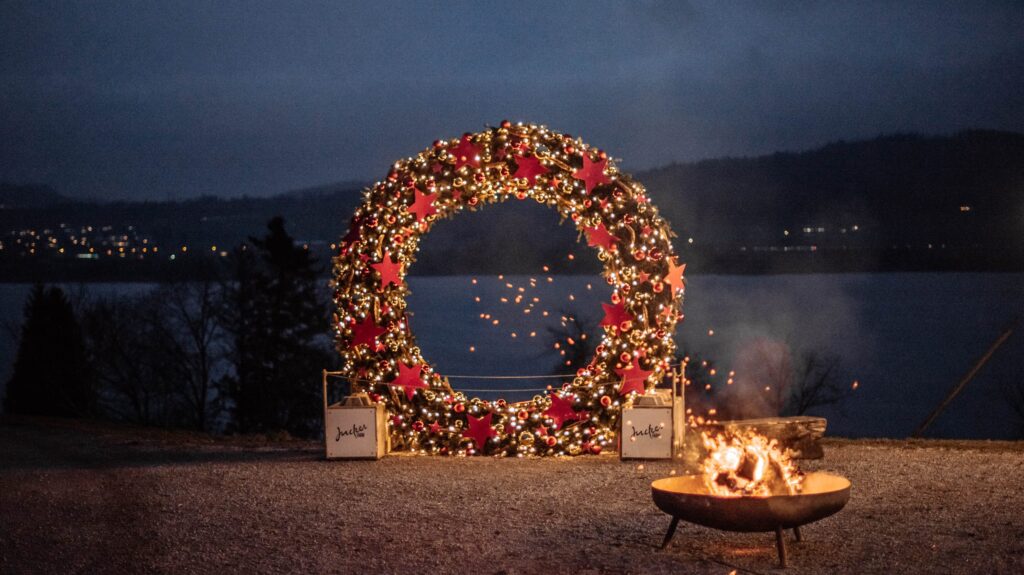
93,498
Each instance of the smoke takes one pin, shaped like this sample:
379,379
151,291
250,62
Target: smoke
756,328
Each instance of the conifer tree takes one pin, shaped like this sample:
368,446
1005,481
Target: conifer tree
51,374
277,320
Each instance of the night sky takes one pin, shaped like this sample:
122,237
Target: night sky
166,100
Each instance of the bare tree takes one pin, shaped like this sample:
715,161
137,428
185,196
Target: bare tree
778,380
192,336
134,383
816,383
158,355
571,339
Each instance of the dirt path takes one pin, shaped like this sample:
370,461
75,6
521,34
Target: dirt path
92,498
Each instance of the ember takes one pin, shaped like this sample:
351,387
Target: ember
748,465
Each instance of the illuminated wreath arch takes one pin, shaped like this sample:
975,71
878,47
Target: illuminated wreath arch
511,161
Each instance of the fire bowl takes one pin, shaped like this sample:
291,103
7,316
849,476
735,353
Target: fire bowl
685,497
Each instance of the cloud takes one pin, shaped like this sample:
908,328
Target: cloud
177,99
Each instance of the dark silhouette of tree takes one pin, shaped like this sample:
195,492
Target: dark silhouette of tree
191,336
136,378
777,379
574,345
51,375
157,355
816,384
276,318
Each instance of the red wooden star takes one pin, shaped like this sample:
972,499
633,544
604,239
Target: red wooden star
390,271
674,277
423,206
466,153
542,430
366,332
592,173
409,379
643,277
529,167
560,411
614,315
434,427
634,378
479,430
599,236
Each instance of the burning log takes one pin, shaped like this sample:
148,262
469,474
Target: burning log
748,464
800,434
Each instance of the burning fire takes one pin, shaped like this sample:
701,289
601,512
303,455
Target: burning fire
748,465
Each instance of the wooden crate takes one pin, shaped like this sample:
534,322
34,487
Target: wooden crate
354,430
653,428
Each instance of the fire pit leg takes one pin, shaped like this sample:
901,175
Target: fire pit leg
671,532
796,532
781,545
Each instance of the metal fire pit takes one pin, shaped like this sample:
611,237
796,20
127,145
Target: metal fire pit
685,497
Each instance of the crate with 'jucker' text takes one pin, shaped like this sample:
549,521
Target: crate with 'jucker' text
355,428
652,428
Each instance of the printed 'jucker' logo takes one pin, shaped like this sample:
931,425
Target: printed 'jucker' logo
356,431
652,431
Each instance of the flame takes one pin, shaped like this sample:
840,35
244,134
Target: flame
748,464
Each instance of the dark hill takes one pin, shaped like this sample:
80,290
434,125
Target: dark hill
963,189
29,196
901,202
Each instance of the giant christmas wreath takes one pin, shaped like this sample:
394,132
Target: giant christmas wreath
523,162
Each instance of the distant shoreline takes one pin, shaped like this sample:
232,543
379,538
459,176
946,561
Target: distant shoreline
716,261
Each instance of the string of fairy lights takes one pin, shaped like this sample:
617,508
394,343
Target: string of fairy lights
523,162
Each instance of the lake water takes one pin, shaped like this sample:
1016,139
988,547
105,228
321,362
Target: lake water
906,338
